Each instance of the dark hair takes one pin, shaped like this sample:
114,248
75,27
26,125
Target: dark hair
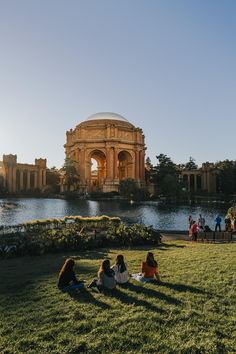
67,266
105,268
150,260
120,263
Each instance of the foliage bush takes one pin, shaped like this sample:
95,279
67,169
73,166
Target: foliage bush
75,237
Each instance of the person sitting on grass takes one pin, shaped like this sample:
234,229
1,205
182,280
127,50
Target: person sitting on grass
121,270
149,270
67,279
106,277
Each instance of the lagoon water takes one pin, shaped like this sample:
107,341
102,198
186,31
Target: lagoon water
149,213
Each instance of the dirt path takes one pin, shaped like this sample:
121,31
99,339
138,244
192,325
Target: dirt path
169,237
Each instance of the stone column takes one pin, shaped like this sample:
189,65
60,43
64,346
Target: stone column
14,179
108,164
136,164
208,182
140,164
21,180
35,180
82,170
143,165
189,183
77,158
28,179
111,158
44,178
142,168
204,182
195,183
9,179
40,178
115,164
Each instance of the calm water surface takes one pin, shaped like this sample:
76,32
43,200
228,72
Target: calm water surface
148,213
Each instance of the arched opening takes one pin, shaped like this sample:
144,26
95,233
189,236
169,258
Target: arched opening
31,180
185,182
25,180
125,165
199,182
97,170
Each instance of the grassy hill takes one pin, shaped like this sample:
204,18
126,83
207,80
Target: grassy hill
192,311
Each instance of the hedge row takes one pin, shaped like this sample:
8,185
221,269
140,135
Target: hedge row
74,238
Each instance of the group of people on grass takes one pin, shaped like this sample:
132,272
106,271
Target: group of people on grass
108,277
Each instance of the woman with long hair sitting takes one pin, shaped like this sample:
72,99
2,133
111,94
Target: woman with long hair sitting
149,270
106,277
67,279
121,270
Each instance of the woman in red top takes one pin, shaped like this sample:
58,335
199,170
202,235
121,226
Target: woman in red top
149,270
194,229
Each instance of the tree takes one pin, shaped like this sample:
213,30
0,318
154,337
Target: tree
149,171
129,189
167,176
191,165
227,176
53,180
71,174
3,190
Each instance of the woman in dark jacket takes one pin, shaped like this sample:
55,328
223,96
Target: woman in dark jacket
67,279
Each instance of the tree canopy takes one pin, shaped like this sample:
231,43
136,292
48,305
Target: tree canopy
71,174
191,164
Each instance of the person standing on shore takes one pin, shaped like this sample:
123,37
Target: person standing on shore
194,230
201,222
218,223
190,221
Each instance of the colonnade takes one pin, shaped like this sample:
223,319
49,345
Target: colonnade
204,180
18,180
22,177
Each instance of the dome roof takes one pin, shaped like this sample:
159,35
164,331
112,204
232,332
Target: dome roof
106,115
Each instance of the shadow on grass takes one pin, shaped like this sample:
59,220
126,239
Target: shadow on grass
183,288
161,246
164,246
90,254
152,293
84,296
131,300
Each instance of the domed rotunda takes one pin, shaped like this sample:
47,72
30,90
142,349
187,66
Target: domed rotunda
106,148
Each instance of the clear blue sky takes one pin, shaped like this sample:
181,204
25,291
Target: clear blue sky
169,67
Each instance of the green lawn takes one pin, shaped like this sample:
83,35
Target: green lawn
193,311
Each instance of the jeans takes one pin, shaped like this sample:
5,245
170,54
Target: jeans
80,285
140,278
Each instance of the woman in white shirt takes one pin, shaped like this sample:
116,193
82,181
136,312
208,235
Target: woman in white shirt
121,270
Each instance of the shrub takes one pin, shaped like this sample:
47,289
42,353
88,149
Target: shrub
76,237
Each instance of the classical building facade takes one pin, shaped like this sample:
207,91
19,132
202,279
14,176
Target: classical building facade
204,179
115,144
19,177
